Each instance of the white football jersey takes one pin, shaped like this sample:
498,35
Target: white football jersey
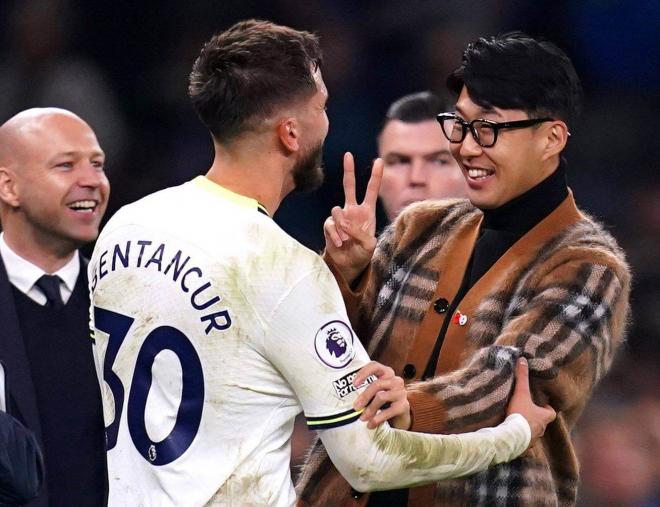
213,330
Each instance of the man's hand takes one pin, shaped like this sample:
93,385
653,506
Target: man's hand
522,403
350,233
384,399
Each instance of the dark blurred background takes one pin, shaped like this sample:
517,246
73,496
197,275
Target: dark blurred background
123,66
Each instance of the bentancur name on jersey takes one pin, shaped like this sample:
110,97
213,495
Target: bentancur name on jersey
191,279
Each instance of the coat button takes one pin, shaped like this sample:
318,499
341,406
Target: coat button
441,305
356,494
409,371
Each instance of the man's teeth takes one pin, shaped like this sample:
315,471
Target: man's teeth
83,206
478,173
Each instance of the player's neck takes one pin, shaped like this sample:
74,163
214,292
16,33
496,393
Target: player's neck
253,173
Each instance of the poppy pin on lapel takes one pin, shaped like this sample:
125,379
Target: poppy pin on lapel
460,318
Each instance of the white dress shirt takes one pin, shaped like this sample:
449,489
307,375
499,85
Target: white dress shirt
23,274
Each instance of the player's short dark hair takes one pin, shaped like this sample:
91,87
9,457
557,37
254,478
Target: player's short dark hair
415,108
515,71
246,72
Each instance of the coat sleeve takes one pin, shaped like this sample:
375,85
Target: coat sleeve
21,463
568,326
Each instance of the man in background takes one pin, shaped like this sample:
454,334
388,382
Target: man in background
418,163
53,193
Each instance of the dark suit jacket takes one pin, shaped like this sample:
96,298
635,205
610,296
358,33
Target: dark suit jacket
21,463
21,402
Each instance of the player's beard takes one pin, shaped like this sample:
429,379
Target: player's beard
308,171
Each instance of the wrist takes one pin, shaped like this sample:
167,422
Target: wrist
352,274
402,422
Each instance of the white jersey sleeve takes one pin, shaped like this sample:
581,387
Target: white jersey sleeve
386,458
314,347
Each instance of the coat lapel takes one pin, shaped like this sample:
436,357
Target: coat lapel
450,265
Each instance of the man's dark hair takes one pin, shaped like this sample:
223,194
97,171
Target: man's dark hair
246,72
515,71
415,108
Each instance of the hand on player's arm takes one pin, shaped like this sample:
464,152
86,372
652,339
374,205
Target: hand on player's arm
538,417
387,458
384,399
350,231
390,458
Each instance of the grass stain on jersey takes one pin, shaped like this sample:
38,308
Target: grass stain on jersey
417,450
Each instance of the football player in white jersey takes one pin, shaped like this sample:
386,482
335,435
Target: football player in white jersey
214,328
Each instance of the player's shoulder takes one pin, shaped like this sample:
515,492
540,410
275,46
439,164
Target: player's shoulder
436,210
278,247
430,217
157,204
587,241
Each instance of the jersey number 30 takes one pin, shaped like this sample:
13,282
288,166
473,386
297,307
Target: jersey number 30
189,413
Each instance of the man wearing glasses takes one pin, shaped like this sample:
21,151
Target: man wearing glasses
457,290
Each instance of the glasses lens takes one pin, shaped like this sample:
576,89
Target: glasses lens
485,133
453,130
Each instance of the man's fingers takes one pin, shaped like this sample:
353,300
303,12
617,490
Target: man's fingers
381,399
367,396
363,235
349,179
394,410
371,195
341,224
331,234
550,413
372,368
387,413
390,385
522,378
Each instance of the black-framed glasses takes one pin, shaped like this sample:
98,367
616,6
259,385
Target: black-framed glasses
484,132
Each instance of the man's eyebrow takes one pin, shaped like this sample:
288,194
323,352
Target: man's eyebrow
93,154
444,151
481,111
396,154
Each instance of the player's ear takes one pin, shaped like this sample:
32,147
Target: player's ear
8,187
288,131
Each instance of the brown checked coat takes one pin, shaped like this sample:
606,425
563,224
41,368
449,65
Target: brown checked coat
559,296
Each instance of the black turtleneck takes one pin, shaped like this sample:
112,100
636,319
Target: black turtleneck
500,229
505,225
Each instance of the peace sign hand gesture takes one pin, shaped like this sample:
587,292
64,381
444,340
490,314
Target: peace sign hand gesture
350,232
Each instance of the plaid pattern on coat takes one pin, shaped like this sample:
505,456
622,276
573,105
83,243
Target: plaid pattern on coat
559,296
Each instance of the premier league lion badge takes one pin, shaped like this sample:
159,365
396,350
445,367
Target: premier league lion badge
334,344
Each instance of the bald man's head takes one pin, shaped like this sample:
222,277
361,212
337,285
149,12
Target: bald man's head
52,184
21,132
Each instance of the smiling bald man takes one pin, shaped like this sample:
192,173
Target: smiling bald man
53,193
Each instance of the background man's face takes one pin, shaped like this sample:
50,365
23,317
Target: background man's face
418,165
